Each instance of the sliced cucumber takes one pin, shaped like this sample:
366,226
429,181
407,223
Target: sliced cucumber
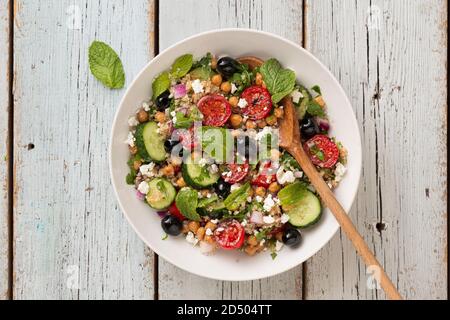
150,143
306,211
161,194
197,176
303,103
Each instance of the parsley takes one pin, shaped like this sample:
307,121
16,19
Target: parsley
274,255
317,90
203,62
262,234
131,177
242,80
314,109
317,152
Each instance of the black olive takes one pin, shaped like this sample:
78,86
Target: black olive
292,237
163,101
171,225
222,189
228,66
309,128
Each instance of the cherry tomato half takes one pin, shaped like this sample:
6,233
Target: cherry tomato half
216,110
322,151
230,235
259,102
174,211
236,172
266,176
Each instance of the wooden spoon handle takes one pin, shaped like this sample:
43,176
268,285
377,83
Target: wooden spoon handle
346,224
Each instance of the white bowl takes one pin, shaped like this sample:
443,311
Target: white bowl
225,265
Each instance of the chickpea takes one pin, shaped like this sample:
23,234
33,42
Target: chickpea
226,87
260,191
185,228
181,183
261,124
275,155
160,117
271,120
142,116
200,233
133,150
176,161
168,171
236,120
234,101
252,241
193,226
320,101
204,193
210,239
210,225
216,80
259,79
278,112
213,63
251,251
250,124
274,187
137,164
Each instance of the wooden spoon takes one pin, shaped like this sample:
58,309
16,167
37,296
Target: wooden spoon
291,142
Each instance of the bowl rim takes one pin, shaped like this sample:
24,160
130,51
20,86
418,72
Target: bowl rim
155,60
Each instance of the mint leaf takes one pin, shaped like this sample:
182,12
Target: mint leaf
237,197
291,194
187,201
314,109
182,65
160,84
317,90
106,66
280,82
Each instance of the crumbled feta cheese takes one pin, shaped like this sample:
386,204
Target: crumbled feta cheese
262,242
203,162
268,203
278,246
234,186
147,169
143,187
249,199
284,177
284,218
173,114
298,174
242,103
197,86
233,88
268,219
146,106
214,168
130,139
296,96
191,238
220,229
339,172
215,221
209,196
209,232
258,199
133,122
244,223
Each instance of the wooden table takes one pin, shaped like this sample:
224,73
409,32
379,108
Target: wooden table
62,234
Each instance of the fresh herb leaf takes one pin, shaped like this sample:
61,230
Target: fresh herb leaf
161,186
106,66
239,217
187,201
204,174
205,202
185,122
242,80
262,234
317,152
274,255
182,65
289,162
280,82
165,237
202,73
237,197
160,85
317,90
131,177
315,110
203,62
291,194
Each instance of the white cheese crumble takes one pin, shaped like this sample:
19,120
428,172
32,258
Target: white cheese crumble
339,172
234,186
278,246
191,238
233,88
268,219
143,187
197,86
242,103
262,242
146,106
203,162
209,232
215,221
133,122
284,177
298,174
268,203
147,169
249,199
258,199
244,223
130,139
214,168
296,96
284,218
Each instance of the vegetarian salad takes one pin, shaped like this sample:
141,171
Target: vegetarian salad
204,154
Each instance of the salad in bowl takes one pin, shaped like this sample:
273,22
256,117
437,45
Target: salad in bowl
204,154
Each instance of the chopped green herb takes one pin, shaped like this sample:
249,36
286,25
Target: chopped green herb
165,237
274,255
203,62
314,109
131,177
106,66
280,82
317,90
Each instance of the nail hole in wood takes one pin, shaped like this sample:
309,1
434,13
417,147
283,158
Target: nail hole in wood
30,146
380,226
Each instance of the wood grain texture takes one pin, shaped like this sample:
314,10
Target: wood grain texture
66,220
395,77
4,133
280,17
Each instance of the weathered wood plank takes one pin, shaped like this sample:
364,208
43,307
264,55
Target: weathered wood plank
69,231
4,111
191,17
394,70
